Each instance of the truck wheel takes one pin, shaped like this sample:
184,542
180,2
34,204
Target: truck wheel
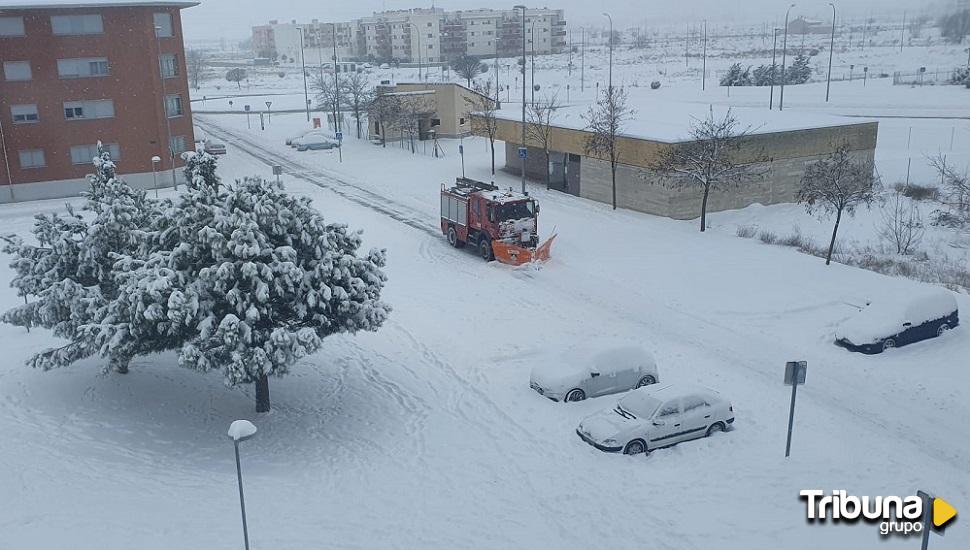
453,238
485,249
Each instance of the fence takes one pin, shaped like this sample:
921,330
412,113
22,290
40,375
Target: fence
924,76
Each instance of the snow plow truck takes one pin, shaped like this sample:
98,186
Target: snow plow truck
501,225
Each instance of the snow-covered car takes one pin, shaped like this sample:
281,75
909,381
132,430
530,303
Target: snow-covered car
314,142
318,132
214,147
594,370
892,323
385,66
657,416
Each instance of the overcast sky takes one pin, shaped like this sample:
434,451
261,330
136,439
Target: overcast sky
232,19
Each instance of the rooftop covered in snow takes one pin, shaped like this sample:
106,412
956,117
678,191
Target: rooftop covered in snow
670,122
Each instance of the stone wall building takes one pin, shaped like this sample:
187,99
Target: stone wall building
790,141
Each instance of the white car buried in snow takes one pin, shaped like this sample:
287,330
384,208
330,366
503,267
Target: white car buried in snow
654,417
602,370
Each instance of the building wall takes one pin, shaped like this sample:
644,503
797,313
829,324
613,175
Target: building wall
134,84
450,106
640,188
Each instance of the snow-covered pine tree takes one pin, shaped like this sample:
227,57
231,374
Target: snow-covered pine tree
800,70
69,271
247,280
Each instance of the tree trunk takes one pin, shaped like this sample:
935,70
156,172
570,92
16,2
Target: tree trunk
262,394
707,191
613,173
492,142
548,175
838,218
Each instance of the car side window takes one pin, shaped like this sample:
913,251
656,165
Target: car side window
693,404
668,409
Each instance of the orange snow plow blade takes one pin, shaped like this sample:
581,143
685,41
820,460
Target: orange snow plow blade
516,255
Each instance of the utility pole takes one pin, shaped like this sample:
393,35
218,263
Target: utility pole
704,66
306,91
784,51
523,152
336,84
774,46
687,47
582,65
902,33
610,89
828,80
534,61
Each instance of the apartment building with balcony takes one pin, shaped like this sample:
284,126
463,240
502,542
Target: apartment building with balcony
72,75
420,35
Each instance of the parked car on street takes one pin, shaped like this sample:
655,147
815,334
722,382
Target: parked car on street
596,369
314,142
657,416
897,322
306,133
214,147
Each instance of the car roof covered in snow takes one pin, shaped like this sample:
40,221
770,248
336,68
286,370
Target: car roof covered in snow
885,317
666,392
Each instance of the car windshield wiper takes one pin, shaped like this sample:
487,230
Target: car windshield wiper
624,413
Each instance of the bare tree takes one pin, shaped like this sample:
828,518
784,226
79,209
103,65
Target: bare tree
954,194
838,184
358,94
327,94
538,129
711,158
467,67
385,111
413,109
481,112
196,67
604,120
901,223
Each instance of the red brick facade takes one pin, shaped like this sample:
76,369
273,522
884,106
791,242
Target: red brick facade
134,84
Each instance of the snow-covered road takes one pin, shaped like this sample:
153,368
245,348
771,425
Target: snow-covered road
426,434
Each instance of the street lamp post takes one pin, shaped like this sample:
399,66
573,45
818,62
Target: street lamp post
774,46
784,51
534,61
828,80
704,62
306,91
336,83
521,156
155,161
610,84
6,162
241,430
582,65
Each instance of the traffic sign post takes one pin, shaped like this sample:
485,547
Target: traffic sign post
269,113
794,376
523,153
927,517
248,125
277,171
340,145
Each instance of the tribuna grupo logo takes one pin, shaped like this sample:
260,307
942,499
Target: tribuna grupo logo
894,514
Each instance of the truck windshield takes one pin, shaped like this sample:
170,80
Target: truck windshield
516,211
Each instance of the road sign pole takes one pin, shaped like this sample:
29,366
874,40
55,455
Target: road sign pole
791,419
927,518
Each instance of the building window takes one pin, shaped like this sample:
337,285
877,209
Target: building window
84,154
32,158
77,24
82,67
11,26
169,65
80,110
163,25
17,70
177,145
24,114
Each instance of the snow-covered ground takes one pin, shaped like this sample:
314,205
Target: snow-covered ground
426,433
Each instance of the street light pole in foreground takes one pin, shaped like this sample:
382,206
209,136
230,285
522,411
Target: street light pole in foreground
241,430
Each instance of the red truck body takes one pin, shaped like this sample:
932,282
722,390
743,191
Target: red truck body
490,219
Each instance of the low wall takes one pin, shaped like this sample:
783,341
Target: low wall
63,189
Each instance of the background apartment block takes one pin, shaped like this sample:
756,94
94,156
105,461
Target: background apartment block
76,74
417,35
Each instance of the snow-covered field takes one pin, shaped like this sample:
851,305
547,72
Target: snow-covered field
426,434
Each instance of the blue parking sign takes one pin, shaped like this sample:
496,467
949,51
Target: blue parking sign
340,136
461,149
523,153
